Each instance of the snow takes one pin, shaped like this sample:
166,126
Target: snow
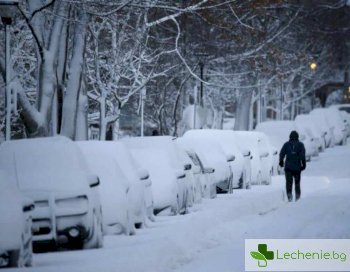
159,156
113,186
226,139
277,131
244,141
318,116
42,164
211,237
11,213
210,153
46,175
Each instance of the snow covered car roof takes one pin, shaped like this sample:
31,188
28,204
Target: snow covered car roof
277,131
11,216
210,153
45,164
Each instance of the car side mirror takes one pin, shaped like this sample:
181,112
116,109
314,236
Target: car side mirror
264,154
208,170
143,174
94,181
251,157
230,158
180,174
275,153
246,153
27,204
187,166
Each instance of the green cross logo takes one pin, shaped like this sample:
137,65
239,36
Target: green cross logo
262,255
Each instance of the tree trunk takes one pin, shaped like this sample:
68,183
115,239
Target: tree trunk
103,123
70,101
243,110
81,130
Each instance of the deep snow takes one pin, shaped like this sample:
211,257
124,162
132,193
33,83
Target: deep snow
211,237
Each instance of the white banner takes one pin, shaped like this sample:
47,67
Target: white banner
297,254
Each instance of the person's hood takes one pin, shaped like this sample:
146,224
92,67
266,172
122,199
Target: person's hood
294,136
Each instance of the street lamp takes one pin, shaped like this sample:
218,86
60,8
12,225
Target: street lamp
143,93
8,9
313,67
202,55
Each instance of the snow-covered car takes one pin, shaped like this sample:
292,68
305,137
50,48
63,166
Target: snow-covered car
260,150
318,135
344,110
53,172
15,224
334,118
342,107
306,136
140,194
319,118
193,184
346,119
202,174
159,156
240,166
122,193
278,133
211,155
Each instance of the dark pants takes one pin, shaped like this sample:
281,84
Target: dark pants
290,175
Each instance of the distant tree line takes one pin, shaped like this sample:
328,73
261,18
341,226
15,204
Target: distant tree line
79,66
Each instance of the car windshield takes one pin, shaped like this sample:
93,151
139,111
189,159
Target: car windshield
44,166
347,109
194,159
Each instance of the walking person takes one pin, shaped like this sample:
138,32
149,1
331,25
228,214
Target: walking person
294,151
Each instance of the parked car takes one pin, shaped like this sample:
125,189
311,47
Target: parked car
193,184
306,136
53,172
159,156
346,119
121,199
15,224
334,118
240,166
202,174
317,133
140,184
278,133
319,118
260,149
342,107
344,110
211,154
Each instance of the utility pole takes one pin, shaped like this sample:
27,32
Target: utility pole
143,97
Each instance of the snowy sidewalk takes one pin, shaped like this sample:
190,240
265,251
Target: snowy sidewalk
211,237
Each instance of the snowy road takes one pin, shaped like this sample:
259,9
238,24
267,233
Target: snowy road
211,237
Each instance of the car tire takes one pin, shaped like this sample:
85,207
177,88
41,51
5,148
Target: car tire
96,240
14,260
17,257
269,179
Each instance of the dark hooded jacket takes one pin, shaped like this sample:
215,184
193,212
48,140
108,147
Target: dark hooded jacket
294,151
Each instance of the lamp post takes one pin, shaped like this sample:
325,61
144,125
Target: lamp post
143,97
8,9
202,56
201,67
313,67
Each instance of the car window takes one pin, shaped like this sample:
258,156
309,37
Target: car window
194,159
347,109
